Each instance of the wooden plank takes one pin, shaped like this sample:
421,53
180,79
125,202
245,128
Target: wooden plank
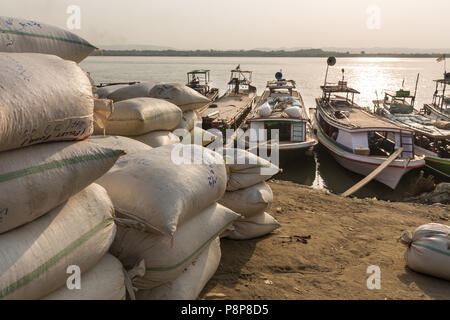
373,174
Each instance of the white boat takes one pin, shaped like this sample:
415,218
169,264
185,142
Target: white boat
281,107
359,140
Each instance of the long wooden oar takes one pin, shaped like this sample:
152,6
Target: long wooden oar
373,174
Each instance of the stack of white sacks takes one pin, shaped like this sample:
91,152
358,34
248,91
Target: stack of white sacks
248,194
52,217
169,221
149,113
156,209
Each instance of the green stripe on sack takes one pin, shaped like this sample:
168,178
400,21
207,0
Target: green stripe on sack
431,248
57,164
54,260
20,33
191,255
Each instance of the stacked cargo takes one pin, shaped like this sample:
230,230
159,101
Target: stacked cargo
150,113
52,215
248,194
167,214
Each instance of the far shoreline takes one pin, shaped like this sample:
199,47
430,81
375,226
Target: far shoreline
257,54
314,53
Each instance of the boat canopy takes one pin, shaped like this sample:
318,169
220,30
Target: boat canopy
400,94
339,88
199,71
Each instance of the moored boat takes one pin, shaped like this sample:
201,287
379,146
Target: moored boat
359,140
230,110
200,81
281,107
431,136
439,108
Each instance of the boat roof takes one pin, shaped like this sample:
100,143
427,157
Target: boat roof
340,87
198,71
241,71
443,81
394,94
281,84
356,117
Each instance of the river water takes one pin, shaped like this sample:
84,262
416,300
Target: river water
371,76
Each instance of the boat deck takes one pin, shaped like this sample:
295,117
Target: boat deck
226,108
278,112
354,117
420,124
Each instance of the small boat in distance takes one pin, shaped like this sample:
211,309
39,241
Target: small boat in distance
199,80
439,109
281,107
360,141
230,110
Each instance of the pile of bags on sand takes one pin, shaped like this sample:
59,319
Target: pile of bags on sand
111,217
168,218
429,250
150,113
248,194
52,215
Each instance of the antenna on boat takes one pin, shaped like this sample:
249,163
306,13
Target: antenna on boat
343,75
331,61
415,90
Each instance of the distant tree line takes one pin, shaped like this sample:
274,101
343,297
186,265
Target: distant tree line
255,53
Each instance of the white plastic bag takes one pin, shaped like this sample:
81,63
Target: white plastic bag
264,110
294,112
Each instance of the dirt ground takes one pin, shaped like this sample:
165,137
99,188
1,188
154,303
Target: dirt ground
347,236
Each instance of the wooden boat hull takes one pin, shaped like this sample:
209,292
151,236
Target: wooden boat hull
364,165
435,114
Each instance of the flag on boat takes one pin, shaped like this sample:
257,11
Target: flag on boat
442,58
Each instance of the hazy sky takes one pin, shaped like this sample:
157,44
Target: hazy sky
248,24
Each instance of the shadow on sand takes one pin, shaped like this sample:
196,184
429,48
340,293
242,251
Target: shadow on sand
433,287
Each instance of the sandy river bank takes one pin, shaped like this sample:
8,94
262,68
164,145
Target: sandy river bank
347,236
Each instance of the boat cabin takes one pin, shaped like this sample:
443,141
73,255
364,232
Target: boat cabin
240,82
200,81
441,100
400,101
353,129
